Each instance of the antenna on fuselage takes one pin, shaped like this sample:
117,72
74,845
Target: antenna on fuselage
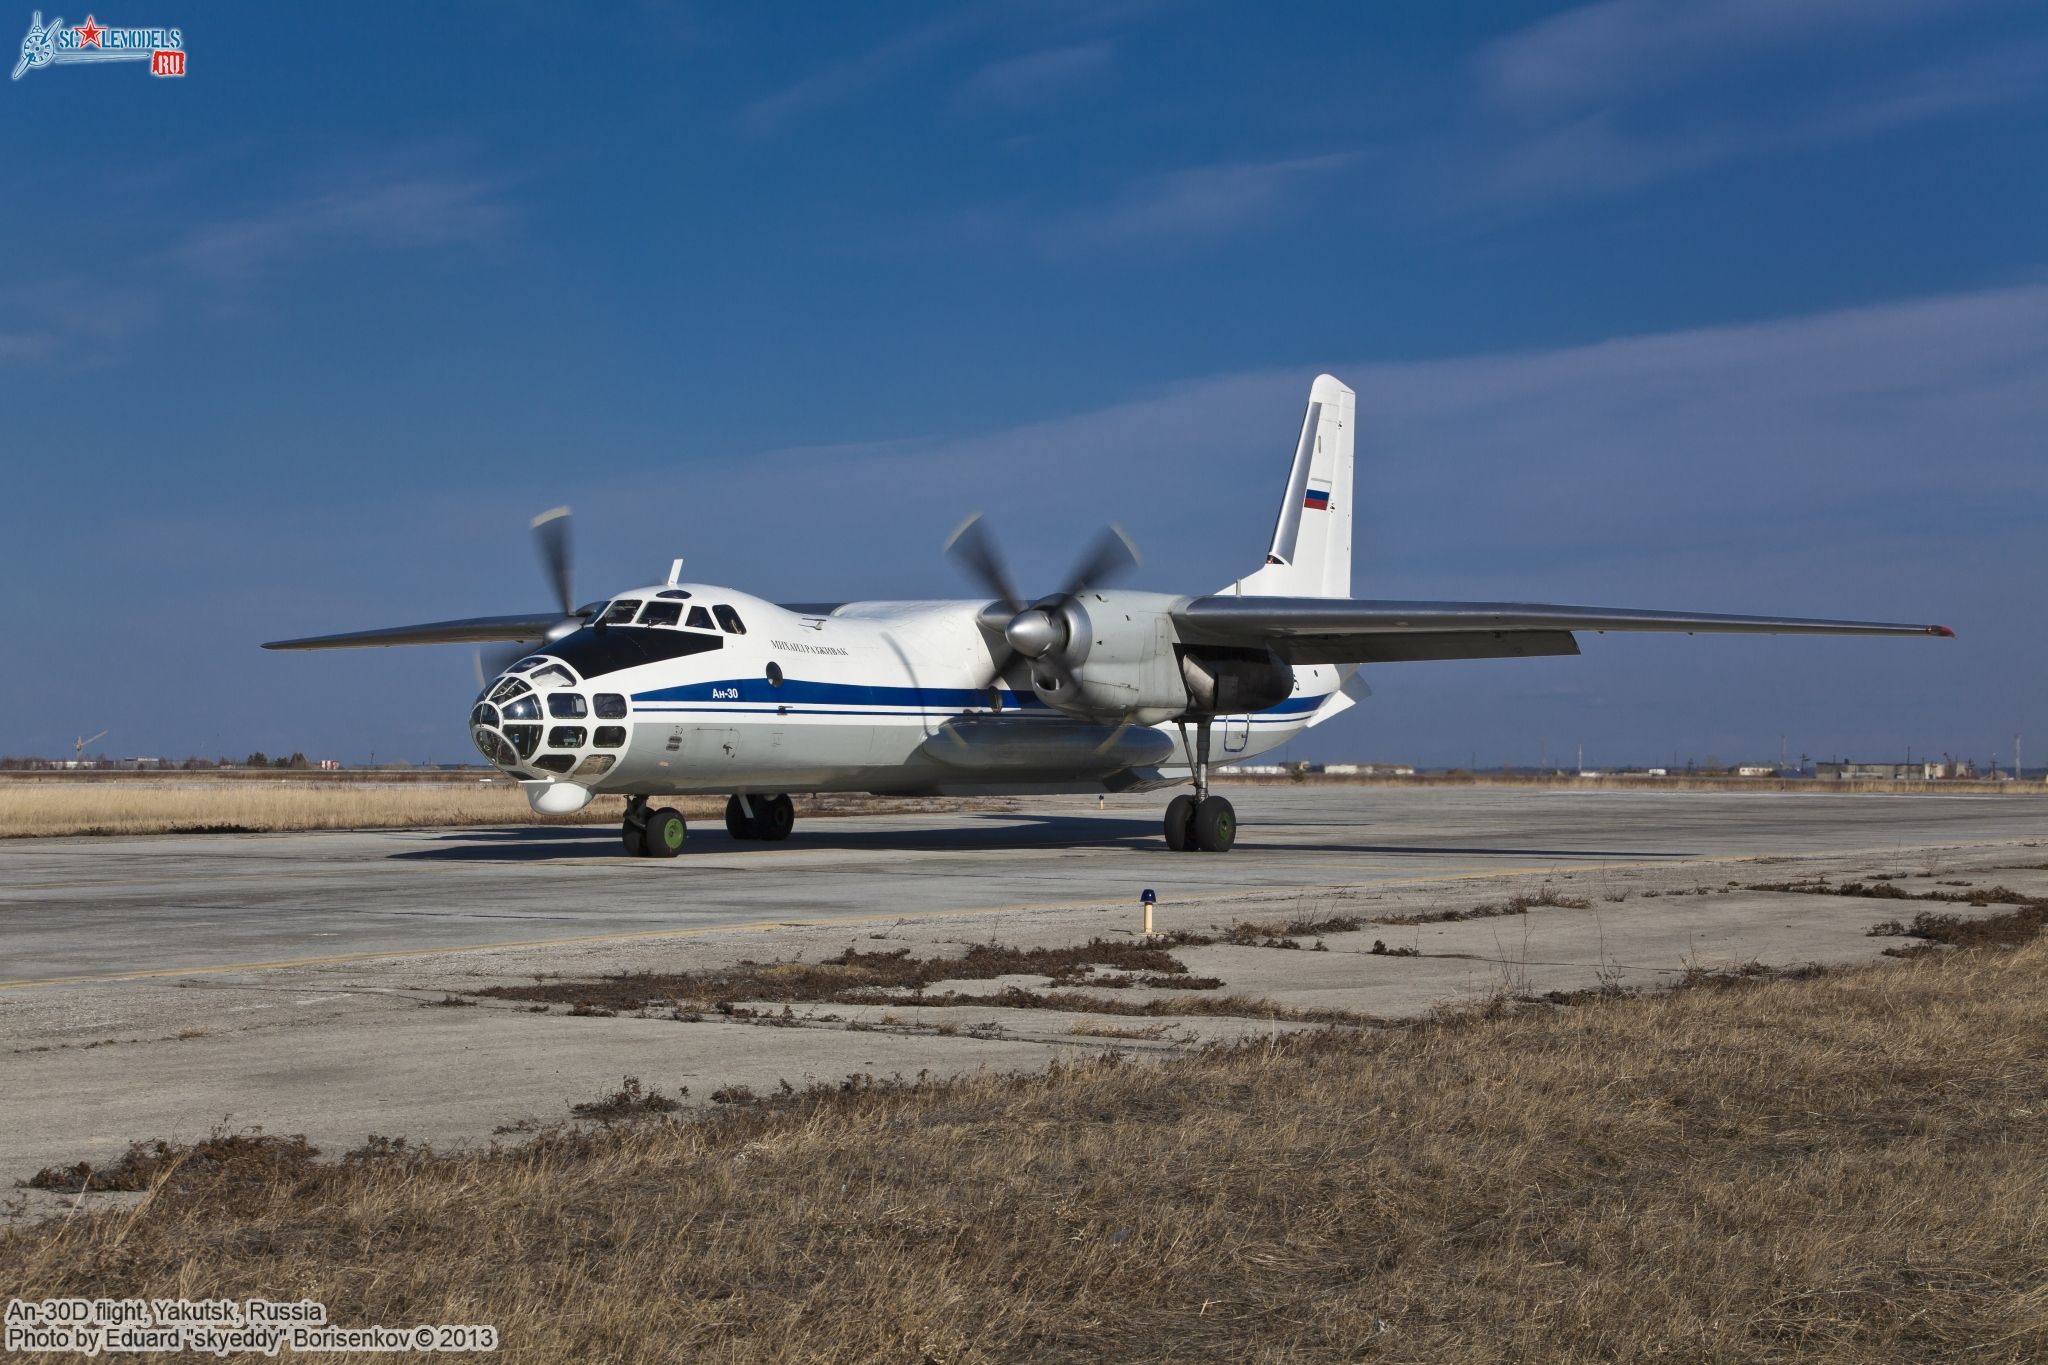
675,572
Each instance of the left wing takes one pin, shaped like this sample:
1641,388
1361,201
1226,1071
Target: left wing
1325,630
473,630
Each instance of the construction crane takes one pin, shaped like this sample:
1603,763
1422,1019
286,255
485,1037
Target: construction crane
78,749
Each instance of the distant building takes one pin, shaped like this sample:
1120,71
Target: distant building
330,765
1756,770
1947,770
1368,770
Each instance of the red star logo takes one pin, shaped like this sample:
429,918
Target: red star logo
88,33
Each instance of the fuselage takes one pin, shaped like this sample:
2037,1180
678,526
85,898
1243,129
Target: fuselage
691,688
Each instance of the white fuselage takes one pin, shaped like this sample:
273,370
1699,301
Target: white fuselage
864,696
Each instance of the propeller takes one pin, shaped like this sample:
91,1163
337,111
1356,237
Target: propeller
1041,631
551,537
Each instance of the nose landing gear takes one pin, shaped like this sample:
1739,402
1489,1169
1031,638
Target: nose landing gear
765,818
653,833
1200,823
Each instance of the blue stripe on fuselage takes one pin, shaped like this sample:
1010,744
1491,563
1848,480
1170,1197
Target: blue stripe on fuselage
795,692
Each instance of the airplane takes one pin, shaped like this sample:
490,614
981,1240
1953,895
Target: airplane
687,688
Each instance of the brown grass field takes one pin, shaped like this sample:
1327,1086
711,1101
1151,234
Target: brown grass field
48,806
1834,1166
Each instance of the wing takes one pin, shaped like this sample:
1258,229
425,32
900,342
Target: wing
470,630
1324,630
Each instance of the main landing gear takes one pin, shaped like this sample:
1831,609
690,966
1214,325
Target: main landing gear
658,833
765,818
1200,823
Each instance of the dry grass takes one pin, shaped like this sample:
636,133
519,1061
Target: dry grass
248,804
1846,1167
854,977
206,805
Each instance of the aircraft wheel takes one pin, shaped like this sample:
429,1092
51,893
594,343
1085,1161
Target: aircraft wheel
736,822
1180,823
634,837
774,818
1215,826
666,832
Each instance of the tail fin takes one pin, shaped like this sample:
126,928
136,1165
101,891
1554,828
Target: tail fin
1311,551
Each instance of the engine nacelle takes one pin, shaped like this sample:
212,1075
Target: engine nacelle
1119,648
1231,681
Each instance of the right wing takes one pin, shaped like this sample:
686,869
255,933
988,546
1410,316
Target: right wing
1329,630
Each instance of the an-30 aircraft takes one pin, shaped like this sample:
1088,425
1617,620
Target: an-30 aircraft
690,688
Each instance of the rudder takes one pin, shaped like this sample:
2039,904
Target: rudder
1311,551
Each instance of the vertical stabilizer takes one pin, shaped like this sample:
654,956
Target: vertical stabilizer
1311,551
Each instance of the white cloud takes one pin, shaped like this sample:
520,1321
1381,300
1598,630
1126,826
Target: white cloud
1038,77
1619,48
391,211
1194,207
1616,148
842,80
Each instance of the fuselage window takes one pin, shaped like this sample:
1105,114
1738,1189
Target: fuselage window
774,675
619,612
700,619
610,706
566,706
566,737
661,614
610,737
525,708
729,620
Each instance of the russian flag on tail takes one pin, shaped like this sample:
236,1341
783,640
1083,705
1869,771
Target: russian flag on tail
1317,499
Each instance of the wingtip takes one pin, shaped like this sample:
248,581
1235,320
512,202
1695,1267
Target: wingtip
1943,631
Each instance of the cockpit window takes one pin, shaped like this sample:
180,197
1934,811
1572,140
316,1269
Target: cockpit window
676,594
554,675
508,689
700,619
530,661
566,706
610,706
619,612
729,620
661,614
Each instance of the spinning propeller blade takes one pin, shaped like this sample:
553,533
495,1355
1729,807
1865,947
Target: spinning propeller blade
1037,632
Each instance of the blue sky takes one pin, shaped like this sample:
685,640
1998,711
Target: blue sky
1727,304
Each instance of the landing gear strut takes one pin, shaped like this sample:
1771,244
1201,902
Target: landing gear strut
1201,822
766,818
653,833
